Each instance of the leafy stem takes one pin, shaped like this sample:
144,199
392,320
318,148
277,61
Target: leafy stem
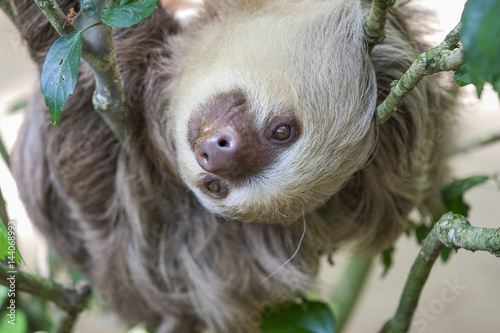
60,70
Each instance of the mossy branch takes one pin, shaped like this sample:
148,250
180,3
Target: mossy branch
98,51
453,231
349,288
445,57
374,23
71,299
54,14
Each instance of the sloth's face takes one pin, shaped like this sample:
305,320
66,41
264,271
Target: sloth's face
271,116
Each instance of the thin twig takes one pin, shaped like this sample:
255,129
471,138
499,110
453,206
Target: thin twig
72,299
349,288
453,231
475,143
67,322
55,15
431,247
445,57
374,23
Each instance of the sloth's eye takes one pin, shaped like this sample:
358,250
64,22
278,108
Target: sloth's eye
283,132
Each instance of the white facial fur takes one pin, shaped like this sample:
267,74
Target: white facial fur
306,59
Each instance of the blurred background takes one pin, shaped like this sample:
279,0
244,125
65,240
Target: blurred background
461,296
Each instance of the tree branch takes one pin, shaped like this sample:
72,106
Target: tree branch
447,56
374,23
349,288
67,322
72,299
453,231
98,51
431,247
54,14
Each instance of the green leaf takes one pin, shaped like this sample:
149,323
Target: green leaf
479,36
445,254
41,313
60,71
386,256
409,227
3,293
453,193
421,232
126,13
307,317
14,324
462,76
19,105
89,7
8,249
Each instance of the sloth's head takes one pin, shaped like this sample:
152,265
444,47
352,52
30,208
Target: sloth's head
272,113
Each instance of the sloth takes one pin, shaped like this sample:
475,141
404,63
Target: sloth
251,152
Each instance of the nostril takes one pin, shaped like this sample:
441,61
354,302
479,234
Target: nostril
223,143
227,139
218,151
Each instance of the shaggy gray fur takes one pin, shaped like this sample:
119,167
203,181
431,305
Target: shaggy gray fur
129,222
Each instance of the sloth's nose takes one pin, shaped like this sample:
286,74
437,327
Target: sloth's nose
217,151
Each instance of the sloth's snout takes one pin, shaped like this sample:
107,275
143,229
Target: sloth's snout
225,140
217,151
